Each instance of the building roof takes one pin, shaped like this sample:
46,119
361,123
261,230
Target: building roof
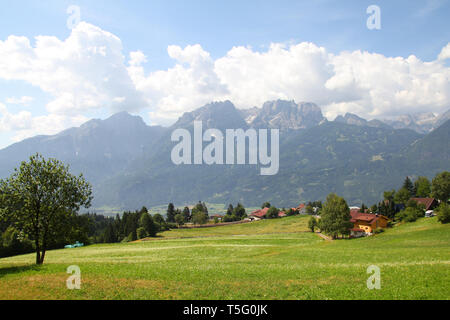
427,202
282,214
366,217
261,213
301,206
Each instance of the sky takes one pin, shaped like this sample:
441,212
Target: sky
65,62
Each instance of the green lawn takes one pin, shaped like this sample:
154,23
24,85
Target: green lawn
262,260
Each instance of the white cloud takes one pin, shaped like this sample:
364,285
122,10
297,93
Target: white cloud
24,125
25,100
445,53
84,72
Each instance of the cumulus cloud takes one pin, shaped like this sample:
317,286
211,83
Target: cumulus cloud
24,125
84,72
24,100
90,71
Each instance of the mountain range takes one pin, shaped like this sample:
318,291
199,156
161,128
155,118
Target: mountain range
129,163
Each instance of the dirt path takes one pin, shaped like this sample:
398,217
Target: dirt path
324,236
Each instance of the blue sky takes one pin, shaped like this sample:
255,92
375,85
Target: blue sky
419,28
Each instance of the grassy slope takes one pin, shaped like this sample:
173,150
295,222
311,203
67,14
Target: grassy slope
228,264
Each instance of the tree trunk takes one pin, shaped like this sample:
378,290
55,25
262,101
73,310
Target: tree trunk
38,252
42,256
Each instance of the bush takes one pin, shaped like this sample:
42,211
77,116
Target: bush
272,213
409,214
141,233
378,230
443,213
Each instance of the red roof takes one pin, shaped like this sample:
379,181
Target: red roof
427,202
367,217
261,213
281,214
301,206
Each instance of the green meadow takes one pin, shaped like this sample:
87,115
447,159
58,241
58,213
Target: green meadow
273,259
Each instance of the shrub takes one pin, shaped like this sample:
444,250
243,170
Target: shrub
443,213
141,233
409,214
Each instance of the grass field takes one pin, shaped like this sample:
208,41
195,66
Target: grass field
262,260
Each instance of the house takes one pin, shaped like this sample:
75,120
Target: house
366,223
218,216
282,214
259,214
301,209
429,203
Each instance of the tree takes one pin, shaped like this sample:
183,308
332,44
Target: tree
199,217
230,210
408,185
272,213
187,214
309,209
335,218
374,209
410,214
422,187
42,196
443,213
179,219
441,186
312,224
402,196
170,213
363,208
146,222
239,212
266,205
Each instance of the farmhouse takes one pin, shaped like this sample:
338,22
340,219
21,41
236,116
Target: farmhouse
301,209
365,223
429,203
259,214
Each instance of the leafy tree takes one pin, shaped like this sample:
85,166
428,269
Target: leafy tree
410,214
170,213
422,187
389,195
443,213
266,205
159,222
441,186
312,224
179,219
309,209
141,233
291,212
402,196
408,185
41,197
199,217
374,209
272,213
335,218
